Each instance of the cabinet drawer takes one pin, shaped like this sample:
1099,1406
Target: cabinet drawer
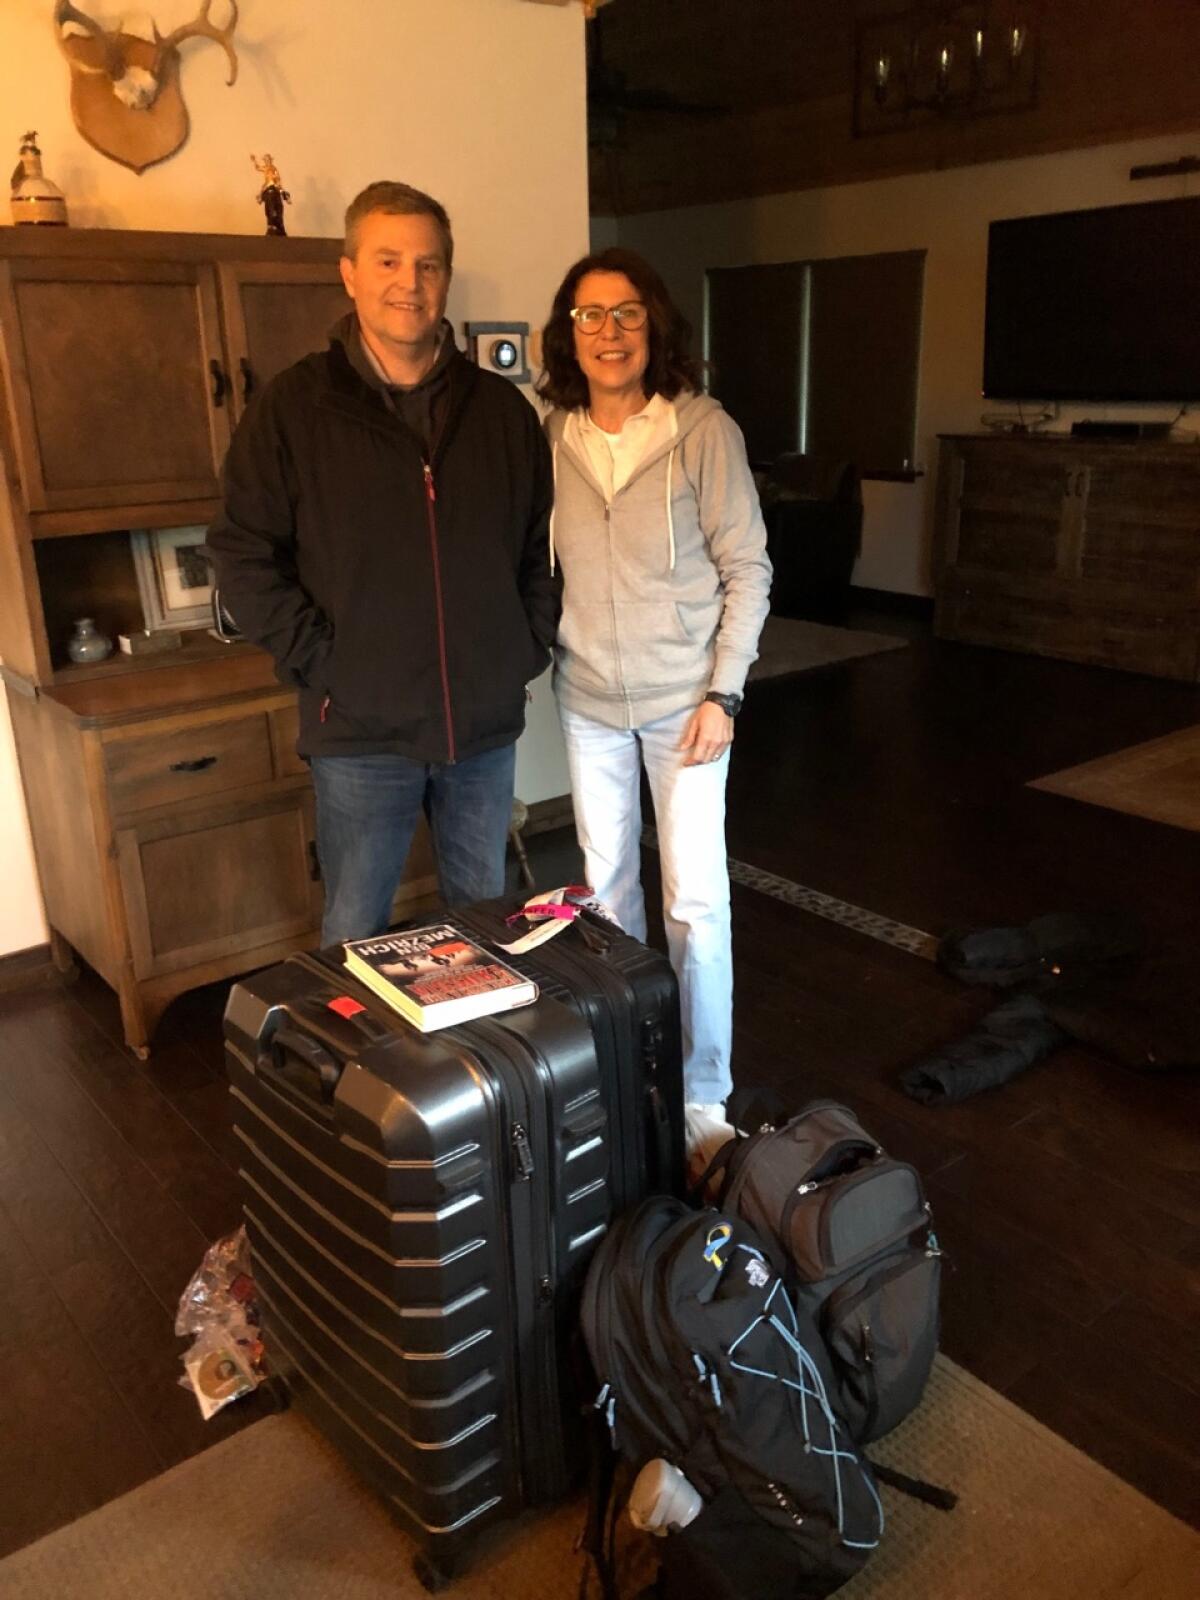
1073,626
156,769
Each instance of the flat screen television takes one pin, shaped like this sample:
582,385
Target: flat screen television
1095,305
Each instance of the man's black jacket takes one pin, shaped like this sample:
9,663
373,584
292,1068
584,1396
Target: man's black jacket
409,599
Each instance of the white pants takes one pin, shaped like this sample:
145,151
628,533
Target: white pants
689,811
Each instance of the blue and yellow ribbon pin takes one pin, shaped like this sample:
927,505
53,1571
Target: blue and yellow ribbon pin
717,1239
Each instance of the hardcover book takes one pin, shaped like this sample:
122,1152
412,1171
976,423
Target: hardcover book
435,976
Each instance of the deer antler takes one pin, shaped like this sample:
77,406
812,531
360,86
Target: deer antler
200,28
64,12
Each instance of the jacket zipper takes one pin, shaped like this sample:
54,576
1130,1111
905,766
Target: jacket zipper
612,608
431,517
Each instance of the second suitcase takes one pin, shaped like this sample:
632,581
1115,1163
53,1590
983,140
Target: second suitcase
628,996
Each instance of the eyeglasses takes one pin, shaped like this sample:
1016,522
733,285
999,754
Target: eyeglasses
630,315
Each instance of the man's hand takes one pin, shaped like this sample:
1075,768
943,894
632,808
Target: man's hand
707,736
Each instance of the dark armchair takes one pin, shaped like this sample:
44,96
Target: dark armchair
813,512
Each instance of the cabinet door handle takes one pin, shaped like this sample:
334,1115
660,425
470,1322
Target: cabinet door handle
247,372
197,764
220,383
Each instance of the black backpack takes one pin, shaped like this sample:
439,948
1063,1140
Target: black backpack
850,1230
704,1360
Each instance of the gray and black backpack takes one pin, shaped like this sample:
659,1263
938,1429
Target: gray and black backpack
703,1360
850,1230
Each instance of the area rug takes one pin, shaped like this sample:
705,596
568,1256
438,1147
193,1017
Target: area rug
1159,780
274,1514
789,646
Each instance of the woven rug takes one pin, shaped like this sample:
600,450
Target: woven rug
789,646
274,1514
1159,780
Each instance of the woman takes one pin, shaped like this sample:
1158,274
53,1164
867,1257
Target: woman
661,543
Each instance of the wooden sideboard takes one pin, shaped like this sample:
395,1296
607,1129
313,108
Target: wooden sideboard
171,818
1087,549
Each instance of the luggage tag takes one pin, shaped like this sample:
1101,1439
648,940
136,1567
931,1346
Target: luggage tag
550,913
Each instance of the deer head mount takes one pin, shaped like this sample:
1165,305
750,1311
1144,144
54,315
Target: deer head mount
125,94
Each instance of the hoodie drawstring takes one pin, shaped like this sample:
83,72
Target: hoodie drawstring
554,503
670,517
669,511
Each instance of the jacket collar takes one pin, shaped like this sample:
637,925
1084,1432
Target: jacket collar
348,333
351,395
690,409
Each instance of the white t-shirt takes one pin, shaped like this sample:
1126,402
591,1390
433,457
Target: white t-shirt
615,457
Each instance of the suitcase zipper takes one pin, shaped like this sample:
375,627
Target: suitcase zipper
522,1152
543,1463
632,1124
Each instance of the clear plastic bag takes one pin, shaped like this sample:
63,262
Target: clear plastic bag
222,1288
219,1309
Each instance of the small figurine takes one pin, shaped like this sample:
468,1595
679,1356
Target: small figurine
35,200
272,195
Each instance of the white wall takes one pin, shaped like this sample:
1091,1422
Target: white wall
480,102
944,213
21,921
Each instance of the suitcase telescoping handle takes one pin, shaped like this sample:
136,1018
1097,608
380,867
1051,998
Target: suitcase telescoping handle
302,1061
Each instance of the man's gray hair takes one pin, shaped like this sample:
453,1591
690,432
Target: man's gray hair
397,200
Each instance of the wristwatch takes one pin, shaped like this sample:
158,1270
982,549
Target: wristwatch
730,704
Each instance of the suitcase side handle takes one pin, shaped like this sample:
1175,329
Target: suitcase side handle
301,1061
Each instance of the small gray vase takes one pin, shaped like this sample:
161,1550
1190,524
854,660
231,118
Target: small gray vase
87,643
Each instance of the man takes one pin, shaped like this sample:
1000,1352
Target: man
385,537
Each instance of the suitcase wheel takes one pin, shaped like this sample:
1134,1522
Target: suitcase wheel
275,1393
432,1578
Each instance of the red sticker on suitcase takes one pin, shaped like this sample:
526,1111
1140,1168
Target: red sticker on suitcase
346,1006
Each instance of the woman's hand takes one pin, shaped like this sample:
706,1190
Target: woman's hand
707,736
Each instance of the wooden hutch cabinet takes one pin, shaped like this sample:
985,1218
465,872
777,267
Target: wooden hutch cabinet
171,817
1088,549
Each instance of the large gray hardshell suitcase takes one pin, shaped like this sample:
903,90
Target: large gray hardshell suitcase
421,1210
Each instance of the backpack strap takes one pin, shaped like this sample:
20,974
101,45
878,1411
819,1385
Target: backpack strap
594,1538
750,1109
719,1163
931,1493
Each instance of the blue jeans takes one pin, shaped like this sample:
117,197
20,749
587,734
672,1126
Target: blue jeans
367,809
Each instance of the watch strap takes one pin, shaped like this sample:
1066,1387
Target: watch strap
730,704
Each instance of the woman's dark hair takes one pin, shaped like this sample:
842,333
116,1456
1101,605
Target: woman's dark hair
670,367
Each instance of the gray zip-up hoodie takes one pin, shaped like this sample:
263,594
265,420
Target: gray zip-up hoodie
666,587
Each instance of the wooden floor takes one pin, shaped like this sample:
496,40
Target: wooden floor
1068,1202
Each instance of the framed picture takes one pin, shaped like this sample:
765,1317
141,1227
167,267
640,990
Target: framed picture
174,577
